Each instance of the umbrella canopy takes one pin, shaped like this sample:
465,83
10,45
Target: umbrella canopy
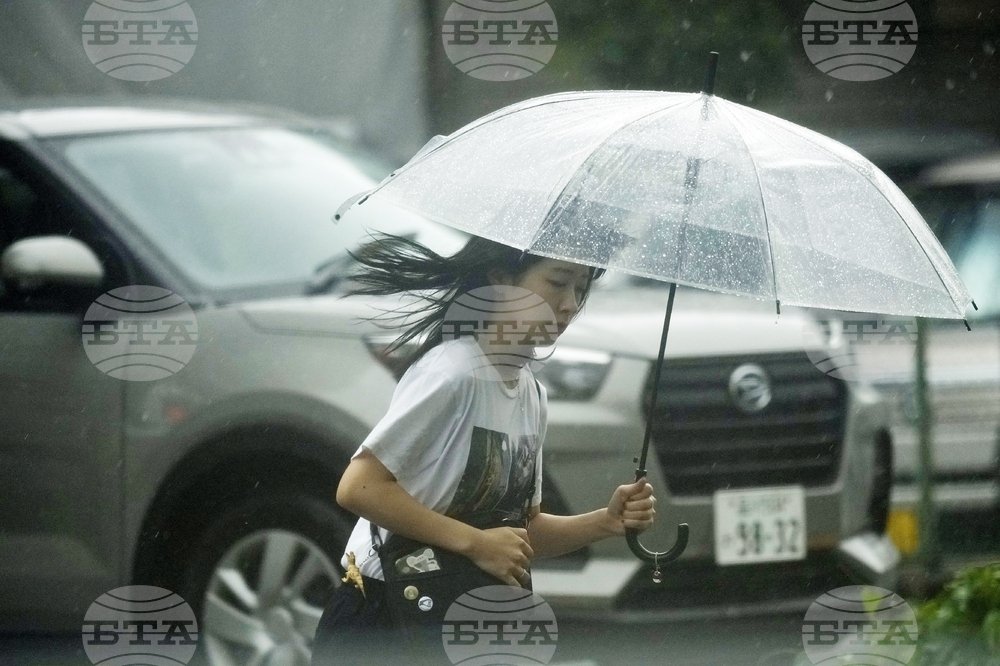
687,188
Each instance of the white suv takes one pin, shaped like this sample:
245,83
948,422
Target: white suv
752,445
960,200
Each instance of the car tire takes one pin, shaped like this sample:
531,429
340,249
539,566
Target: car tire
259,575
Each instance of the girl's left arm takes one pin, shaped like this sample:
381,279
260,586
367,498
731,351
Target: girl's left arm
631,506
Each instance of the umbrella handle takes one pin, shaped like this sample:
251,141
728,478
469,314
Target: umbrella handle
656,558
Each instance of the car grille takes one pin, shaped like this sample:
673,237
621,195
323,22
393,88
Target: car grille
706,443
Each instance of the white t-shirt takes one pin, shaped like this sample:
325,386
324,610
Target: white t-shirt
457,439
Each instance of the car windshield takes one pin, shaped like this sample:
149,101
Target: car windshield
968,224
233,207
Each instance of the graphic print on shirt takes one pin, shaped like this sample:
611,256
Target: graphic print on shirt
499,476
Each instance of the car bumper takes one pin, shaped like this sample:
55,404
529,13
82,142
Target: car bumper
692,587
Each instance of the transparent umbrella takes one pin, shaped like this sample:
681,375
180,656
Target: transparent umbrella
690,189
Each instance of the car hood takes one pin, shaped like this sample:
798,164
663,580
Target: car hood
619,321
629,322
316,315
954,356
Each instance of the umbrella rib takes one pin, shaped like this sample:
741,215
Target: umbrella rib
554,98
549,217
902,218
763,205
937,272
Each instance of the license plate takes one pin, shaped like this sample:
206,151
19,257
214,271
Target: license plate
760,525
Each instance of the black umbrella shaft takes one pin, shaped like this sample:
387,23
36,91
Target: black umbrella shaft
641,470
713,62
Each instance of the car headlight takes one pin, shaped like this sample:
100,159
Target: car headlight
396,360
572,373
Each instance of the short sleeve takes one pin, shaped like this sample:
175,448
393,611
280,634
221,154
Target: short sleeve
543,420
425,410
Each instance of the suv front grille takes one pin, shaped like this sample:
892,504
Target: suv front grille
706,443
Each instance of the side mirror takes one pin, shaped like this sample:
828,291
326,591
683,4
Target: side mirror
32,263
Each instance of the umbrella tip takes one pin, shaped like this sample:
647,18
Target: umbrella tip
777,306
713,62
975,307
966,322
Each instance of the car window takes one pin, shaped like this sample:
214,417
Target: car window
978,258
23,211
28,209
230,207
967,222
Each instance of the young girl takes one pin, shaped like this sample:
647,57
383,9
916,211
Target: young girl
464,430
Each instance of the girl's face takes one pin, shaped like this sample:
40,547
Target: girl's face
562,285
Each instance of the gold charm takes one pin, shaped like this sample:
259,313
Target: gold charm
353,575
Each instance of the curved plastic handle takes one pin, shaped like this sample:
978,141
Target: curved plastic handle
652,556
657,558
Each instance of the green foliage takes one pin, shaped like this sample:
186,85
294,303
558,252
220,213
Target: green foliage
658,45
961,626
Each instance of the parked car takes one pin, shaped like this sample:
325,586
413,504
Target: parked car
216,480
960,200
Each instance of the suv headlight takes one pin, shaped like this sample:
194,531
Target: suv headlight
395,361
572,373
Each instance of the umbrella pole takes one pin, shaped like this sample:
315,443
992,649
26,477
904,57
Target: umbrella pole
657,371
631,535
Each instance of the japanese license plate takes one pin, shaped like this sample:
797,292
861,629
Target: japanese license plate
760,525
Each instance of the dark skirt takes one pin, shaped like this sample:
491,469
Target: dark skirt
356,629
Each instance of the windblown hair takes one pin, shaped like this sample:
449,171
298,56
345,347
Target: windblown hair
392,264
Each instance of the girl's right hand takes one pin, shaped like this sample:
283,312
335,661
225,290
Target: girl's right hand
503,552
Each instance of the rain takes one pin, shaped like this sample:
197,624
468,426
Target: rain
787,322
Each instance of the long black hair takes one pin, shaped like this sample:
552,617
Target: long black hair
392,264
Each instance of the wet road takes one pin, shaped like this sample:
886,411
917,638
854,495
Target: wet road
772,641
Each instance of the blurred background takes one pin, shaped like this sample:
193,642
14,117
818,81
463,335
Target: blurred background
379,71
382,66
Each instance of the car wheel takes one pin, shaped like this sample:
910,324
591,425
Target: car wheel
259,576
